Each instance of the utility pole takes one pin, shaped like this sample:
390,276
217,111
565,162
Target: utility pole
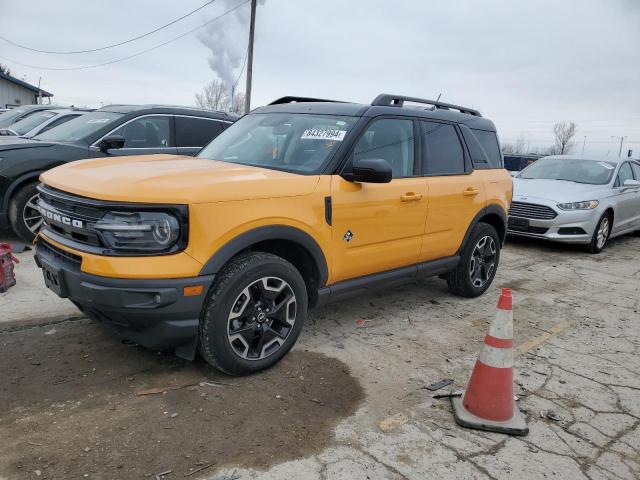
621,142
583,144
252,29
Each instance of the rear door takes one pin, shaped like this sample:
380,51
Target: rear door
456,191
193,133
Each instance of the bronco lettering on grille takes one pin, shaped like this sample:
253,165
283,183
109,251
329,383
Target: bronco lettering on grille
56,217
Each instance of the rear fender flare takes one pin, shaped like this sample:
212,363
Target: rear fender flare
492,209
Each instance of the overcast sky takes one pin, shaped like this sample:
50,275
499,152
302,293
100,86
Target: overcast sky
525,65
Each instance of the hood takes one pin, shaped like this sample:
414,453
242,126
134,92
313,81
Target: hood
174,179
560,191
17,143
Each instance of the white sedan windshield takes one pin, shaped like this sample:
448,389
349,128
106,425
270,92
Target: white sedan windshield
570,169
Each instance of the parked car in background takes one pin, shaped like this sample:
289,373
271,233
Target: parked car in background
16,114
517,162
112,130
296,203
576,200
40,122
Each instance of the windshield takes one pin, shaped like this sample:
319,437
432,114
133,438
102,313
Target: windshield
27,124
283,141
7,118
79,127
570,169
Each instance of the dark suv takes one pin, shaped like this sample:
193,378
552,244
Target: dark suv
114,130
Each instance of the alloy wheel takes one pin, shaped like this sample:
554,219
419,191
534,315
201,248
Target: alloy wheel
603,233
261,318
31,215
483,261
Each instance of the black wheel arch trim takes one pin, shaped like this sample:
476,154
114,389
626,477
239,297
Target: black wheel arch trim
17,183
492,209
261,234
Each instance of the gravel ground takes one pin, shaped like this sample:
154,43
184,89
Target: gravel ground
349,402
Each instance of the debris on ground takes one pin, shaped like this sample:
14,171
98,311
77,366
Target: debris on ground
163,390
393,422
199,469
438,385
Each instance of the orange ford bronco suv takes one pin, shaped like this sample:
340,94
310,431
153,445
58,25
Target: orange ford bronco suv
299,202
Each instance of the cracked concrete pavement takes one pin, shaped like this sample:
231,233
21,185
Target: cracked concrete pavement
577,370
583,365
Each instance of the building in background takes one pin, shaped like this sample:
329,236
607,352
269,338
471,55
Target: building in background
15,93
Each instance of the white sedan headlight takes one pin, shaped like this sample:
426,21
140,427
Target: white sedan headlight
587,205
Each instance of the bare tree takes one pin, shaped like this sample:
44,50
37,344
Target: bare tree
216,95
4,69
237,105
213,96
519,147
563,132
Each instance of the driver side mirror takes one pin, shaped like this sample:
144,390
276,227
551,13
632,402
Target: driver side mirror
111,142
371,170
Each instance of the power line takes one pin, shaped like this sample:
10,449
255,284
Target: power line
70,52
135,54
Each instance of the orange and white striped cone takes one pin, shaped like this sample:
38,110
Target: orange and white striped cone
488,402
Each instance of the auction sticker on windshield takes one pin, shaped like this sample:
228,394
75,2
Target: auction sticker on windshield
332,134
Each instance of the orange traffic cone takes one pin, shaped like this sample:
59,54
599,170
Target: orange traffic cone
488,402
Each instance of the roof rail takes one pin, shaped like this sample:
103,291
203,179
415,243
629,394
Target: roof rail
387,100
291,99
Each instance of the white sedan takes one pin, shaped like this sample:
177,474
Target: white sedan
576,200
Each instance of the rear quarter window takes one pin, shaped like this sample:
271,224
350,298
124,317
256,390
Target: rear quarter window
196,132
489,156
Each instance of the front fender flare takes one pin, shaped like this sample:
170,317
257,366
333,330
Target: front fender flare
261,234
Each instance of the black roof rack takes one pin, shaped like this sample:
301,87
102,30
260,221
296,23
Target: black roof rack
387,100
291,99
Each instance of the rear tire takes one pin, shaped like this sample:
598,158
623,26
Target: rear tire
254,314
600,234
23,216
478,263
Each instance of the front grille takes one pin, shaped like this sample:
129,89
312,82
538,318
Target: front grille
532,210
69,216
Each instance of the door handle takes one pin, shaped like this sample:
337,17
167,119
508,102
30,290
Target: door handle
411,197
470,192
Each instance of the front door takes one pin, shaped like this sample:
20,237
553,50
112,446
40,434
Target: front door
456,192
626,198
378,227
149,134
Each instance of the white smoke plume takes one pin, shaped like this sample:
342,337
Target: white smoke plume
228,39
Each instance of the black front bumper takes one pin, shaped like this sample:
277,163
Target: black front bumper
153,313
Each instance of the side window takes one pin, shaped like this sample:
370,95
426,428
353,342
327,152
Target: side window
624,174
392,140
489,142
442,150
58,121
146,132
196,132
636,170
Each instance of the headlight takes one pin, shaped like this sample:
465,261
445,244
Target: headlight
139,231
587,205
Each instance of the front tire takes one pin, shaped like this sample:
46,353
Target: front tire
254,314
24,215
478,263
601,234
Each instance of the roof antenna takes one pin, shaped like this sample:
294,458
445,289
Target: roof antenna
439,95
